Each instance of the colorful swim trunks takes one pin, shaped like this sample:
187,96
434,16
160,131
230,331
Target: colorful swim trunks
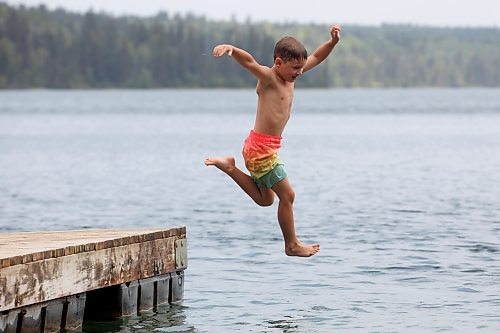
262,160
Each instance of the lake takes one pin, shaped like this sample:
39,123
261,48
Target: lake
399,186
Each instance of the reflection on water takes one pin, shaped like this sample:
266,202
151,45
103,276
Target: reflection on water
286,325
165,318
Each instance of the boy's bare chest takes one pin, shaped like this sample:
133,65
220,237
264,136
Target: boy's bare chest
286,96
280,98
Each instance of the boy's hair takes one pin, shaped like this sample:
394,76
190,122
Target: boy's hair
288,48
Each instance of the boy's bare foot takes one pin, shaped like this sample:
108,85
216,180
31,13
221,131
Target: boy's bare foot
301,250
226,164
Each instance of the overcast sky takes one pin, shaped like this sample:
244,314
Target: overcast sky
369,12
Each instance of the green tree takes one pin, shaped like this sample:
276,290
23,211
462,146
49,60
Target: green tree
60,49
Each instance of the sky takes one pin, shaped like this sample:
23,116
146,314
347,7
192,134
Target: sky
442,13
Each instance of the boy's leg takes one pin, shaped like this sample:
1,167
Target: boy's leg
261,196
293,247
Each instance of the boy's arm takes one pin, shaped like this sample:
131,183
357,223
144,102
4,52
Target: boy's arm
245,59
324,50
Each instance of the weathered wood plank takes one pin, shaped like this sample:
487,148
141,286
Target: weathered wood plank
22,248
69,263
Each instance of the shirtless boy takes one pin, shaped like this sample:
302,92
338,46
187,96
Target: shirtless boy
275,88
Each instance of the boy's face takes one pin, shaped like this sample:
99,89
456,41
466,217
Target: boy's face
291,69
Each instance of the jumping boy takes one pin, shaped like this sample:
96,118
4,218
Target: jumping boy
275,88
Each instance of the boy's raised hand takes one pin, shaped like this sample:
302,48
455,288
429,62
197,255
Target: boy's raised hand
222,49
335,33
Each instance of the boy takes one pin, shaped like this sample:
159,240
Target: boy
275,88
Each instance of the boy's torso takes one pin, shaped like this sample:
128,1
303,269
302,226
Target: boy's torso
274,106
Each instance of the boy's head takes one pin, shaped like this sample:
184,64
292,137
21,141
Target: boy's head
290,57
288,48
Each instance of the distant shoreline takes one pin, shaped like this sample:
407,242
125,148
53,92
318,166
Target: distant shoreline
57,49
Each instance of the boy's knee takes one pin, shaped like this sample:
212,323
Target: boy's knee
265,202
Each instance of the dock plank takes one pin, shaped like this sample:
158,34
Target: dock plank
25,247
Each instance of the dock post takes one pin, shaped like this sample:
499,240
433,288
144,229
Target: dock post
176,294
147,294
162,288
31,318
128,295
177,287
9,320
53,315
74,310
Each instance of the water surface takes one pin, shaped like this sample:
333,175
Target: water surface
398,186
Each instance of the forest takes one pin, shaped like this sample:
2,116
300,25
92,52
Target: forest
58,49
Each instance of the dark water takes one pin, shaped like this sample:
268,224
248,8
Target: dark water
400,187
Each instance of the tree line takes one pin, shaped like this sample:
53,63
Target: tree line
41,48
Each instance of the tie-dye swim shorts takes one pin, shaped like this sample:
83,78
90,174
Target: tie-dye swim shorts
262,160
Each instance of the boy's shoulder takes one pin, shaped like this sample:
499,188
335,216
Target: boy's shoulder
266,76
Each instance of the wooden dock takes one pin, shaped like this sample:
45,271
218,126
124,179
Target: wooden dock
52,281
